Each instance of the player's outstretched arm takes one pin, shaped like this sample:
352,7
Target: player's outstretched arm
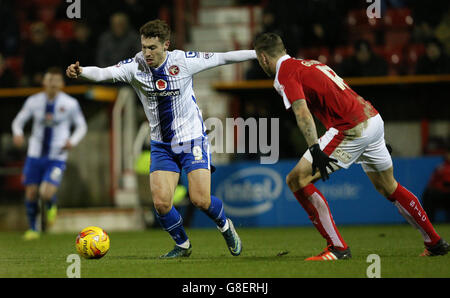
198,62
91,73
305,122
236,56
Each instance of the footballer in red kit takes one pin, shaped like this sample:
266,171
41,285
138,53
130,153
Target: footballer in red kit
327,95
355,134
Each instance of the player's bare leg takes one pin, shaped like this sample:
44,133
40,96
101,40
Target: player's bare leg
411,209
300,180
200,188
31,205
162,186
200,194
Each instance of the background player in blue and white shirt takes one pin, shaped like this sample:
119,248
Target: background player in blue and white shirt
163,81
53,113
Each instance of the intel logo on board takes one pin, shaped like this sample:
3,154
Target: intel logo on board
250,191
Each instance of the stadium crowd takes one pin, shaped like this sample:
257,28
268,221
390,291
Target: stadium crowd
411,37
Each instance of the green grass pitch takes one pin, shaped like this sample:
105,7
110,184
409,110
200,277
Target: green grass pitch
135,254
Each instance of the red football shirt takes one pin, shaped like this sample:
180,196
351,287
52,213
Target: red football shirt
328,97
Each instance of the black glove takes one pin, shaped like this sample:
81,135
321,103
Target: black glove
321,161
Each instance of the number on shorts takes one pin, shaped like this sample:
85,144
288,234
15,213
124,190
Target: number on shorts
197,152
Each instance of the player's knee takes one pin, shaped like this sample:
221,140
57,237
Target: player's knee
292,181
298,180
45,195
162,206
386,186
385,190
31,194
201,201
304,181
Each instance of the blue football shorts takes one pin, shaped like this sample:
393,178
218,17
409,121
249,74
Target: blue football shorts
43,169
188,156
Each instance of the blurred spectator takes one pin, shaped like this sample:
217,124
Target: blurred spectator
7,78
426,17
139,12
363,63
41,53
435,60
437,194
443,32
9,34
282,21
80,48
119,43
322,22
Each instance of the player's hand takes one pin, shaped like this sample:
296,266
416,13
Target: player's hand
321,161
67,146
73,71
18,141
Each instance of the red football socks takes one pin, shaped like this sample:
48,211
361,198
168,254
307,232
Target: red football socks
410,208
319,213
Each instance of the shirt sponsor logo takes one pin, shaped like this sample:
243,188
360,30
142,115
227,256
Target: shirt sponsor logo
142,74
164,93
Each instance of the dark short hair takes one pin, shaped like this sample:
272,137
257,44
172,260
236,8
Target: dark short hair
156,28
55,70
269,43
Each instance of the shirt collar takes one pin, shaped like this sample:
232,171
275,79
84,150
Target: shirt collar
164,63
281,60
53,100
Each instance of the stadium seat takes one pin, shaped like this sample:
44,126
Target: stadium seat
397,38
46,14
396,60
357,17
63,30
47,3
321,54
15,64
24,30
412,54
401,17
360,33
340,53
415,51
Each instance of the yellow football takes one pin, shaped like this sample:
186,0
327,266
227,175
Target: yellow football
92,243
